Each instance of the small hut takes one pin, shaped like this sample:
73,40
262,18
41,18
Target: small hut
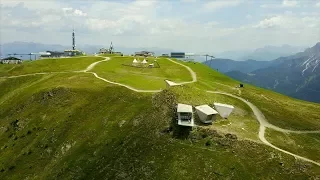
224,109
185,115
206,113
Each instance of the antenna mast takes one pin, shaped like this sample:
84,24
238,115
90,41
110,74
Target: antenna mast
73,40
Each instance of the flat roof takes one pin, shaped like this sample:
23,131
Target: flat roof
223,105
184,108
206,109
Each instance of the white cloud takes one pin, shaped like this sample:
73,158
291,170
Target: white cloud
290,3
318,4
73,12
219,4
284,4
289,22
188,1
152,23
270,22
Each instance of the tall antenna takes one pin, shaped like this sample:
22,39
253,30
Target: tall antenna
73,40
111,48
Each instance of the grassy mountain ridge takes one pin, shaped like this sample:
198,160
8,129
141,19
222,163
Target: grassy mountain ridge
75,126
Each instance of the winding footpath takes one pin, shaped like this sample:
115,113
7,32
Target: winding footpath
91,66
259,115
193,74
265,124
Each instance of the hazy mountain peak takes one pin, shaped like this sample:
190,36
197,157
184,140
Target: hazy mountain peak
266,53
317,46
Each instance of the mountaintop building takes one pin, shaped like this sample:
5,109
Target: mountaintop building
144,53
11,60
206,113
185,115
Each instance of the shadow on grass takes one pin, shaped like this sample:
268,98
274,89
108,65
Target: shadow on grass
179,132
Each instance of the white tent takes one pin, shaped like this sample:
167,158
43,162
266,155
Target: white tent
206,113
224,109
144,61
185,115
135,61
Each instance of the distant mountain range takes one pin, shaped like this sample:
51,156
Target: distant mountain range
31,47
297,75
227,65
266,53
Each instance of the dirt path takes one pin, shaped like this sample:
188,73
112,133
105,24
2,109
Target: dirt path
260,117
33,74
262,120
193,74
265,124
123,85
91,66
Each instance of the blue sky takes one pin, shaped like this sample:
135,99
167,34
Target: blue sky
190,25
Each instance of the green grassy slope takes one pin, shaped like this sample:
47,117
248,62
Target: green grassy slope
48,65
75,126
241,122
56,129
141,78
279,110
307,145
4,68
284,111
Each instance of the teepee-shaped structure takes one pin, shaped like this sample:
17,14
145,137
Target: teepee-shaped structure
135,61
144,61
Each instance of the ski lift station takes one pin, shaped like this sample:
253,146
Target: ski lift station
223,109
206,113
185,115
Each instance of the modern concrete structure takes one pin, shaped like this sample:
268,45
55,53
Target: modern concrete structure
224,109
170,83
185,115
206,113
